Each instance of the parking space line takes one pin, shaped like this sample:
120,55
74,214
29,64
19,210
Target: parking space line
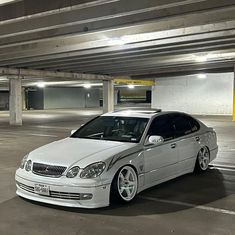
43,135
223,167
207,208
57,127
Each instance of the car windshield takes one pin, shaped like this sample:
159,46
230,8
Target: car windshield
124,129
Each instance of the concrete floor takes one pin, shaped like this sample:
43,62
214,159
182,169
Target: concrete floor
191,204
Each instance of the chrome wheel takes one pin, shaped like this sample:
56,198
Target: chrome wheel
127,183
204,158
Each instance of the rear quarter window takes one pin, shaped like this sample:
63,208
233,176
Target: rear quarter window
183,124
195,126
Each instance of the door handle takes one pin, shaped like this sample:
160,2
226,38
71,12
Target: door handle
197,138
173,146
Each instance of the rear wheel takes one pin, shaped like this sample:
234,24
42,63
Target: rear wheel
124,186
203,160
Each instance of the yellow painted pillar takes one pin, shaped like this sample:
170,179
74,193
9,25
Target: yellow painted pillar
234,94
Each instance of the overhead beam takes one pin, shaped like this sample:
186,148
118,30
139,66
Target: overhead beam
183,69
37,52
189,25
234,93
112,65
95,16
166,46
51,74
77,15
97,59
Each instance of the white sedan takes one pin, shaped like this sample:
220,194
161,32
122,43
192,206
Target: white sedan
114,157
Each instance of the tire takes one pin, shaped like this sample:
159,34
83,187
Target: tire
203,160
124,186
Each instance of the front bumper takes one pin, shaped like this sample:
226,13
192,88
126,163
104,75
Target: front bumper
62,193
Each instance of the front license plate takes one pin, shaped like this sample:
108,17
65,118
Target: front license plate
42,189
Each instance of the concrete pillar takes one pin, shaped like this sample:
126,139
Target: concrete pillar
234,94
115,97
15,101
108,96
23,99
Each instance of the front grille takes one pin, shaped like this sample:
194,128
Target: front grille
48,170
53,194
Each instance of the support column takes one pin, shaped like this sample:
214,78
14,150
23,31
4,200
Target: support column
115,97
23,99
108,96
15,101
234,94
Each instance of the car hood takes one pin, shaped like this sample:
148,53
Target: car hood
82,152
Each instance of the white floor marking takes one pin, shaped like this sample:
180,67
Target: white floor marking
57,127
207,208
43,135
223,168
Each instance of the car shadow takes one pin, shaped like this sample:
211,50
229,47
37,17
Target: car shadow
182,193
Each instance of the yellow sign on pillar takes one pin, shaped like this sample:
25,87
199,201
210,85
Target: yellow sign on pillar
123,81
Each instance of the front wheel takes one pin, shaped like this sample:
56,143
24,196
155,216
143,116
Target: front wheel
203,160
125,184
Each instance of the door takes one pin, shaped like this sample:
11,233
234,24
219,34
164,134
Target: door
160,160
187,141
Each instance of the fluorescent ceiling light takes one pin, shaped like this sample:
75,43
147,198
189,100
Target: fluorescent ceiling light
131,86
3,79
201,76
59,83
116,41
41,84
87,86
6,1
201,58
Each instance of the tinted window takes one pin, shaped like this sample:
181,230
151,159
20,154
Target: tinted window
195,126
183,124
162,126
125,129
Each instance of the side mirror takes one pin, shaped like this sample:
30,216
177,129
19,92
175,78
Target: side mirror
73,131
155,139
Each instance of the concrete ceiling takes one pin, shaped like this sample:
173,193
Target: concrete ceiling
139,38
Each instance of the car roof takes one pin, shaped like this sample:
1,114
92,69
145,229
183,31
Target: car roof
142,113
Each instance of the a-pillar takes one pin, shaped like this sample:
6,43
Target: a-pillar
234,94
108,96
15,101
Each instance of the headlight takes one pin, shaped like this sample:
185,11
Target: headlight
23,161
73,172
28,165
93,170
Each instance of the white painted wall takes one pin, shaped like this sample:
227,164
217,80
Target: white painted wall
212,95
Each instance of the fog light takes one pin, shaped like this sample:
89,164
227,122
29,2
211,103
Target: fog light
86,196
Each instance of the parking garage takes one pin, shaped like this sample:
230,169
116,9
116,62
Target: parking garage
63,63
